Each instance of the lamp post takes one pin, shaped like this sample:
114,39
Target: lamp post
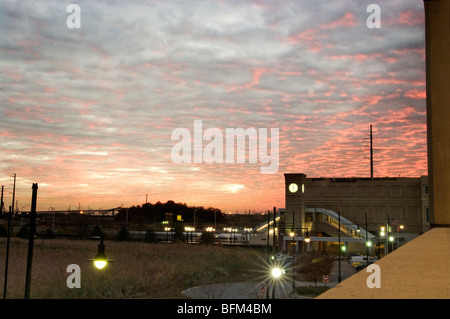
167,230
276,274
343,248
339,246
307,239
292,234
11,212
368,243
100,259
195,210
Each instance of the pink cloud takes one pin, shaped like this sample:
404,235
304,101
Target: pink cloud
50,90
416,94
256,76
409,18
347,20
364,57
309,37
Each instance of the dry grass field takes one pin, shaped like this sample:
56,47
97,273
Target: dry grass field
139,270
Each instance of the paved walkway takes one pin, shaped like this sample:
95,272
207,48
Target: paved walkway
252,290
240,290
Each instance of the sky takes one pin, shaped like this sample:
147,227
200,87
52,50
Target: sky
89,113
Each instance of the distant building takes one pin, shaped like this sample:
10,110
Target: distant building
315,205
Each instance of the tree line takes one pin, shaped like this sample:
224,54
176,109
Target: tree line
170,211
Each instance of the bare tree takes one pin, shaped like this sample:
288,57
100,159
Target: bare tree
313,265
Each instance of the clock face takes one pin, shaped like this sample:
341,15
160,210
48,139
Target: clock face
293,187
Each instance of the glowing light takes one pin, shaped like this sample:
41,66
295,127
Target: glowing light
100,264
277,272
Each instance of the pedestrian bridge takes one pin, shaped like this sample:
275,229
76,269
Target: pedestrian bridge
328,223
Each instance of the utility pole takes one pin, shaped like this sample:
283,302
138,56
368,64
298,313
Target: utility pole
268,250
32,233
14,194
268,236
11,212
371,154
1,201
274,227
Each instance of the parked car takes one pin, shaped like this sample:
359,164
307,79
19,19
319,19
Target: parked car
361,265
359,258
285,261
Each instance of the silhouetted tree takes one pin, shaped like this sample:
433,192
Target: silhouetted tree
123,234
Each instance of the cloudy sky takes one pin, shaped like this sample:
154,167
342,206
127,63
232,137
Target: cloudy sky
88,113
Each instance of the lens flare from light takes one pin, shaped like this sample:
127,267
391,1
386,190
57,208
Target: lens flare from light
276,272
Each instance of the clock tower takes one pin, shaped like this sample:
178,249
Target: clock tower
294,202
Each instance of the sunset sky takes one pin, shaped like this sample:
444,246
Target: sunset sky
88,113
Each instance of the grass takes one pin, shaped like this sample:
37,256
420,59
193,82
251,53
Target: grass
311,291
139,270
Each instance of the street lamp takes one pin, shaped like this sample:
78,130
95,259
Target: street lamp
100,259
167,230
195,210
292,234
307,238
277,272
343,248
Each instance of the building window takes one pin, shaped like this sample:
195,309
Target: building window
425,189
427,214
